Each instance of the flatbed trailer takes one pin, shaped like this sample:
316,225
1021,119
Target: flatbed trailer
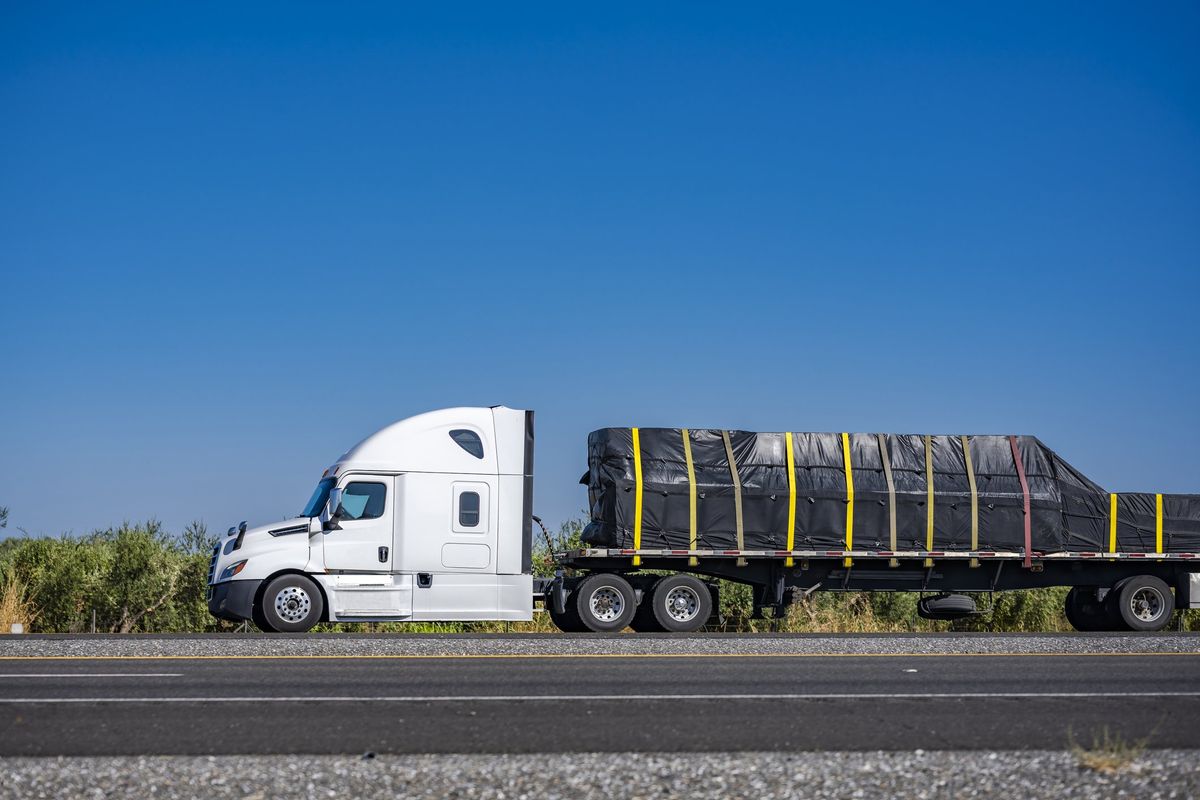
1154,584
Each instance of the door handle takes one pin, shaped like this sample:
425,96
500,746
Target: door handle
383,555
424,580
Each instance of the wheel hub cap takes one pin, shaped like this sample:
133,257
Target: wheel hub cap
682,604
292,604
1146,604
606,604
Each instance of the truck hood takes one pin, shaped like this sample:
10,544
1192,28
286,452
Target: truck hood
286,540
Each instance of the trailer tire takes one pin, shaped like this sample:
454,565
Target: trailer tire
291,603
568,621
605,602
1145,603
1087,614
681,603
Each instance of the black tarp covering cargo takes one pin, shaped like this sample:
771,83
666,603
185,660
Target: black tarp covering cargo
1067,511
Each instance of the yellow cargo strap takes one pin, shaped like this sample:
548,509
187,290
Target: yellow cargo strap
966,446
737,495
791,468
929,497
1158,523
637,495
1112,523
849,498
891,484
691,471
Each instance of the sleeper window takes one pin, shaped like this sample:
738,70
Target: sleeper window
468,509
469,441
363,500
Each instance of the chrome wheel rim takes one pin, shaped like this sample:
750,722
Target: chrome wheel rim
292,604
1147,604
606,604
682,604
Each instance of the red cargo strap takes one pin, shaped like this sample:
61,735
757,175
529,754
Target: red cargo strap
1012,440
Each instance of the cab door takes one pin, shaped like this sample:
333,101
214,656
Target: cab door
363,540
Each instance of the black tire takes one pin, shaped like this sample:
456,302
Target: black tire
604,602
259,620
291,604
568,621
1145,603
681,603
644,620
1085,613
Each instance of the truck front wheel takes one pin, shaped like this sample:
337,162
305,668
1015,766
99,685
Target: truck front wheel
605,602
289,604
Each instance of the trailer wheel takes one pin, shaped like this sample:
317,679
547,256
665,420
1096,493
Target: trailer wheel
681,603
604,602
568,621
1145,603
1087,614
291,604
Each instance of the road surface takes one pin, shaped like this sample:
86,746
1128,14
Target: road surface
573,703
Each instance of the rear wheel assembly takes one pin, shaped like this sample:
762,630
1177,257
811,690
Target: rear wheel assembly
681,603
1144,603
605,602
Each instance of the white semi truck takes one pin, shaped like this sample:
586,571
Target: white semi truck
431,519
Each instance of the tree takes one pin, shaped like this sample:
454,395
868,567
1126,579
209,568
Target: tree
3,516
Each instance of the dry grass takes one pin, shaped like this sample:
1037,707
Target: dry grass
15,607
853,615
1109,753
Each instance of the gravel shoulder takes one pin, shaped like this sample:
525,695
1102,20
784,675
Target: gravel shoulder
230,645
937,774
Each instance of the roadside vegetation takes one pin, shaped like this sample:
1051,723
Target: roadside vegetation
140,578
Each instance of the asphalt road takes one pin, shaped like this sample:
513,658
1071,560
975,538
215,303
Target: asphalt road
655,703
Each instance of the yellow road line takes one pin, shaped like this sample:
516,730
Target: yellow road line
481,656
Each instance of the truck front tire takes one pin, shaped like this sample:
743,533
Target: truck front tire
604,602
289,604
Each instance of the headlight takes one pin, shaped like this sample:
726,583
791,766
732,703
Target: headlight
232,569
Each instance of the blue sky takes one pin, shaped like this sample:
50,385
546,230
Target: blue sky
235,238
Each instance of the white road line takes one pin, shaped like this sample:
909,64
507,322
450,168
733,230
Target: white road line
508,698
8,675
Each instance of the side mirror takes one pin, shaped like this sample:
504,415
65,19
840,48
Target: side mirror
333,511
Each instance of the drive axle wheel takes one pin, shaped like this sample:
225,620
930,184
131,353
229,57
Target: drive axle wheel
605,602
290,604
681,603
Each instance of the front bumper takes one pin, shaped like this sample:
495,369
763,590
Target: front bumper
232,600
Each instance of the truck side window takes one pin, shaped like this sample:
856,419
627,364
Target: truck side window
469,441
468,509
361,500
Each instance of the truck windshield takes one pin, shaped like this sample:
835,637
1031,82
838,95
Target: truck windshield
320,496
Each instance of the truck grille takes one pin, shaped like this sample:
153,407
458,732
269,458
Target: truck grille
212,564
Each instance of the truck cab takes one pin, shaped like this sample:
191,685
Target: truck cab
426,519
